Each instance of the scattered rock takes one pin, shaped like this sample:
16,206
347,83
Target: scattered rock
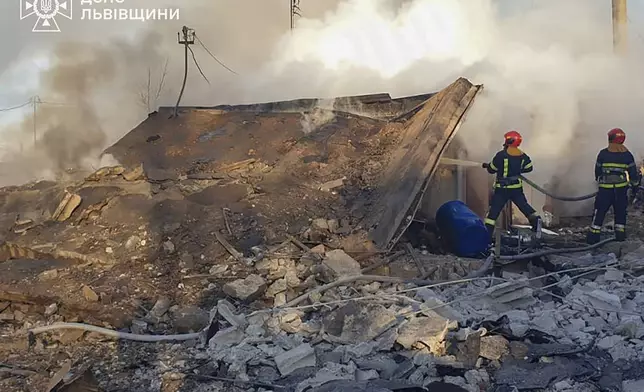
633,386
279,286
613,275
358,322
90,294
428,331
6,316
18,316
511,295
51,310
329,186
132,242
67,206
190,319
609,342
160,308
247,289
602,299
341,263
226,338
319,224
133,173
300,357
227,311
494,347
168,246
49,275
217,270
365,375
139,327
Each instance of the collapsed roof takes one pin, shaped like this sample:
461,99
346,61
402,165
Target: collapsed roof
402,140
249,173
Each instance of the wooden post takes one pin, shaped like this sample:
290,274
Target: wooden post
185,38
620,27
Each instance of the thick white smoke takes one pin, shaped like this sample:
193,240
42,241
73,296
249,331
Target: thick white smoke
547,66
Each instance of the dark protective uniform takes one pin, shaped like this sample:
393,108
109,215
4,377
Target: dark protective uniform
508,165
610,174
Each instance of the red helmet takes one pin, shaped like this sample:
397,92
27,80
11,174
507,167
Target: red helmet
512,139
616,135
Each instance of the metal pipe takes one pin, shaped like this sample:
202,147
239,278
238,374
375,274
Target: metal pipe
554,251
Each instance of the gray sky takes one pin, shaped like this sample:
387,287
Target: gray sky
21,42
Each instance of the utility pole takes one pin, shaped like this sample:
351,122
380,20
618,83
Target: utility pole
294,7
620,27
185,38
35,101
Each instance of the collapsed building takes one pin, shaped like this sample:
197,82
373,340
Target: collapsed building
269,236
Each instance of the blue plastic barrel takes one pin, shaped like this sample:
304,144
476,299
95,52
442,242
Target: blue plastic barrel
464,231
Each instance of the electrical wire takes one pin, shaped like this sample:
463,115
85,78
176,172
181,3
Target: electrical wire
55,103
213,56
17,107
194,58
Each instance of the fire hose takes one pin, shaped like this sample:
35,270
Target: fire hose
459,162
557,197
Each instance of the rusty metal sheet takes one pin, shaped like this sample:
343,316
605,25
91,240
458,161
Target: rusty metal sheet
426,137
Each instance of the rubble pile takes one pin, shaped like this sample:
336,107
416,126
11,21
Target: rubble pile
289,326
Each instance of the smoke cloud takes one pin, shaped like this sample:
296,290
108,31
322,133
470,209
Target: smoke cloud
547,66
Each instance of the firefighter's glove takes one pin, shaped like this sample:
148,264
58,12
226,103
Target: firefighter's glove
485,165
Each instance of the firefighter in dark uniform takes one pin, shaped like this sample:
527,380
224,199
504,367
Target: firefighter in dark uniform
613,165
508,164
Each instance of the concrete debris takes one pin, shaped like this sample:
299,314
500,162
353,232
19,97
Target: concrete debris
511,295
494,347
470,337
133,173
358,322
614,275
67,206
139,327
331,185
341,263
189,319
248,289
90,294
320,224
227,338
427,332
51,310
299,357
168,246
602,299
160,308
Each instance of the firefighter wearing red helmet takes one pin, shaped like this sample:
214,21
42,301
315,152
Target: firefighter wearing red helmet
613,165
508,165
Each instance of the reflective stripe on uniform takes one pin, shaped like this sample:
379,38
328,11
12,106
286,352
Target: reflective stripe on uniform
611,186
489,221
595,229
617,165
493,166
506,167
529,165
620,227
